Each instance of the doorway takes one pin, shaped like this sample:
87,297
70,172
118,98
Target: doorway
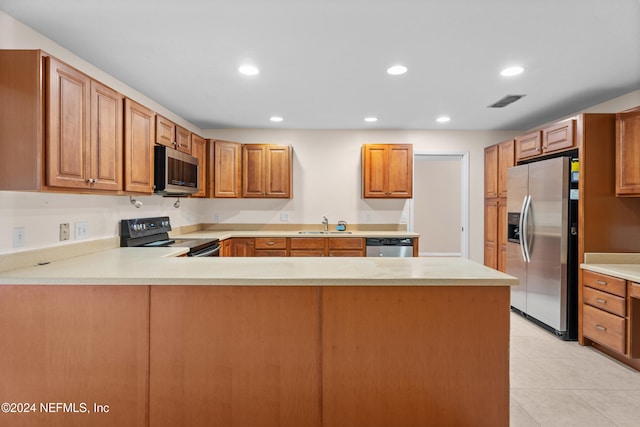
439,208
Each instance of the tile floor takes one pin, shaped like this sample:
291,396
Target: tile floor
558,383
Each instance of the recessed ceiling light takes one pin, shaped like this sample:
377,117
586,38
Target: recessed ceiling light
511,71
276,119
397,70
371,119
443,119
248,70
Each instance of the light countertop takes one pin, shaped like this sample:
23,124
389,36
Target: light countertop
622,265
210,234
163,266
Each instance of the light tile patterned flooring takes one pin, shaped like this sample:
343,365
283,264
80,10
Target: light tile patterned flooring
558,383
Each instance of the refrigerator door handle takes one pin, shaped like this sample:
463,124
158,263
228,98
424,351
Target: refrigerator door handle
520,227
523,231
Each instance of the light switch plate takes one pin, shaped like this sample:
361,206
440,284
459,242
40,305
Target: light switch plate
82,230
18,237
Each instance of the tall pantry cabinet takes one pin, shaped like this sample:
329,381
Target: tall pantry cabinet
497,160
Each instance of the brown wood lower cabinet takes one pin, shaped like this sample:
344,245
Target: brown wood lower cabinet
308,246
346,246
75,345
407,356
271,246
235,356
256,356
329,356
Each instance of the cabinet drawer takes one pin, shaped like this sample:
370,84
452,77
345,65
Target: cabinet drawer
306,252
268,252
605,301
604,328
610,284
348,253
307,243
346,243
271,243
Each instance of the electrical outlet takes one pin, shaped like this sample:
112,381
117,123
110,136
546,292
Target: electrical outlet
367,217
403,219
64,231
18,237
82,230
284,216
216,217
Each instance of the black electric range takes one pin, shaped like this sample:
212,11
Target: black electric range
154,232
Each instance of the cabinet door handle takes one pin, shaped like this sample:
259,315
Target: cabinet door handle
601,301
601,282
602,328
91,180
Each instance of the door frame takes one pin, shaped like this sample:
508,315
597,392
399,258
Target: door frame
464,202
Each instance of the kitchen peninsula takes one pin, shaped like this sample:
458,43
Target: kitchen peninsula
164,340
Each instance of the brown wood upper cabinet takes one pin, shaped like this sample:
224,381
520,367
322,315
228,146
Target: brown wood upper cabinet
84,132
266,171
387,171
225,173
528,145
554,138
183,140
165,132
498,159
628,153
63,129
199,151
558,137
138,147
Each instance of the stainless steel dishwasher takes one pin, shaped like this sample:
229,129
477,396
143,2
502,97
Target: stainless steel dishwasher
390,247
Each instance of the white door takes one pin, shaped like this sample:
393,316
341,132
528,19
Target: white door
439,204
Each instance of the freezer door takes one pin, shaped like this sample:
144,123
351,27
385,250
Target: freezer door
547,234
517,191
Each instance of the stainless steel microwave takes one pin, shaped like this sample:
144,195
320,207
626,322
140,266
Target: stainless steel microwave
176,173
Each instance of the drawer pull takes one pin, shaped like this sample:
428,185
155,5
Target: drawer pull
271,243
602,328
601,282
601,301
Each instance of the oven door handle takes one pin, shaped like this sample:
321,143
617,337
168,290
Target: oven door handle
206,253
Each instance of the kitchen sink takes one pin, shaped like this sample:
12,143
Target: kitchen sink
324,232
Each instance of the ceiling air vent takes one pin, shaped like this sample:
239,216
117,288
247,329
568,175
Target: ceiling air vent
506,101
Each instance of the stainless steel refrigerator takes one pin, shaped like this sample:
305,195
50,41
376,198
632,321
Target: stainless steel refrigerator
542,243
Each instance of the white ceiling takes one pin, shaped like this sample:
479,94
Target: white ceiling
323,62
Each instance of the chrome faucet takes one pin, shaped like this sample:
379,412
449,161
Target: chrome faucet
325,223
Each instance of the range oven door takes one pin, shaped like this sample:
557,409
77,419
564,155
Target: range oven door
213,250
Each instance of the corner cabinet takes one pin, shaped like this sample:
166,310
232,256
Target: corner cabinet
67,132
387,171
628,153
266,171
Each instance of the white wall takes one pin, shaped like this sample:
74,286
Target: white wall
327,177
